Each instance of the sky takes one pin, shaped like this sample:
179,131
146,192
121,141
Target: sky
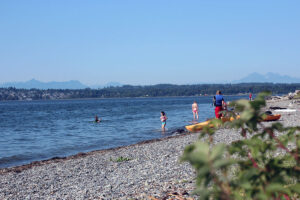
147,42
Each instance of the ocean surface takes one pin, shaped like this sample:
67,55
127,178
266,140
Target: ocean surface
39,130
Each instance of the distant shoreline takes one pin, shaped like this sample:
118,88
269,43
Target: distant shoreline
161,90
74,99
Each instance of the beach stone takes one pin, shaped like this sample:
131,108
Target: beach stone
154,169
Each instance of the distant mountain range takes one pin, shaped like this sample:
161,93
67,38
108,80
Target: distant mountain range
251,78
73,84
267,78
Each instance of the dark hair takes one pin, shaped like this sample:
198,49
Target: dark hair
163,113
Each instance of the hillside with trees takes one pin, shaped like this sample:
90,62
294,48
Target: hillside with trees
160,90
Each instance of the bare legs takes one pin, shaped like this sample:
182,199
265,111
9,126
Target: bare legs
163,127
196,115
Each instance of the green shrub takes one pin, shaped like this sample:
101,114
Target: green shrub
120,159
260,166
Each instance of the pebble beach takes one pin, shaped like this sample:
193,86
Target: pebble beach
147,170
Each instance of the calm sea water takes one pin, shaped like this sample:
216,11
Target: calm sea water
38,130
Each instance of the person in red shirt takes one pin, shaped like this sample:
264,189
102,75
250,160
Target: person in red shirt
218,103
250,96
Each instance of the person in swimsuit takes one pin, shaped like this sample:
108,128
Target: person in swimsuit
195,110
163,119
97,120
218,103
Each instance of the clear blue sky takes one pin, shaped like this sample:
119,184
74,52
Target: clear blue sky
147,42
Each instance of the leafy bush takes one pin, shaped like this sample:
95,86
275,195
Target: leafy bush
263,166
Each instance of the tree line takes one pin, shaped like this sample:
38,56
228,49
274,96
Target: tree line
160,90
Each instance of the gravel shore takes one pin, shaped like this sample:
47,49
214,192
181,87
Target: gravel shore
140,171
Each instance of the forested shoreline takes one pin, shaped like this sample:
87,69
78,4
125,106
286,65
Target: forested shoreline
160,90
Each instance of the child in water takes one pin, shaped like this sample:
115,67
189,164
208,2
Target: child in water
163,119
195,110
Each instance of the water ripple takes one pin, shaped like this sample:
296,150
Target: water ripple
35,130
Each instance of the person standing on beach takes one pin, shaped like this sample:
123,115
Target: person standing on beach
195,110
250,96
163,119
218,103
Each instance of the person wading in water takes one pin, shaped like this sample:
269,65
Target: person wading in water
195,110
97,120
163,119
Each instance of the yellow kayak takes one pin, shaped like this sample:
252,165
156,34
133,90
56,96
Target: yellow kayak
199,126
